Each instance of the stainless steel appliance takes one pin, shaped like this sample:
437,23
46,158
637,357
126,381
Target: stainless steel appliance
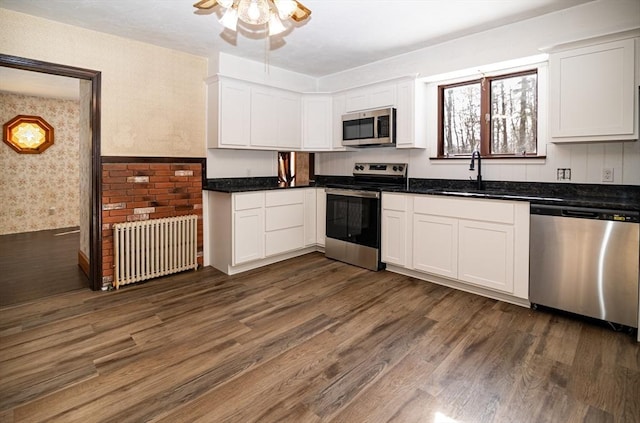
585,261
353,213
369,128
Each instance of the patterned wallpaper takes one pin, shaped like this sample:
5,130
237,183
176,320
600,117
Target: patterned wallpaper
85,144
40,191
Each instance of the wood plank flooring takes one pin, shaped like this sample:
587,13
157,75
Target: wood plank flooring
39,264
307,340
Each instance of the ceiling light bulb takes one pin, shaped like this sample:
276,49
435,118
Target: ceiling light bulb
254,12
230,19
275,25
285,8
225,3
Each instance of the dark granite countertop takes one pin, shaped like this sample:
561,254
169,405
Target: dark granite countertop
231,185
614,197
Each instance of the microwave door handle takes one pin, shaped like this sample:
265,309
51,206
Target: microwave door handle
376,127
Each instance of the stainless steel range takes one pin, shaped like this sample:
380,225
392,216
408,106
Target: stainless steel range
353,213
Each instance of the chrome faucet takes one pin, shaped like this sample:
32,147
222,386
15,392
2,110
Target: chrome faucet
475,154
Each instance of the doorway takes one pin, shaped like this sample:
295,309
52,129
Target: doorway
92,81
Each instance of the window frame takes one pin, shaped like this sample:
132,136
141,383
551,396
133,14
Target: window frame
485,107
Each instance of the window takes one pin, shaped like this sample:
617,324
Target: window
497,116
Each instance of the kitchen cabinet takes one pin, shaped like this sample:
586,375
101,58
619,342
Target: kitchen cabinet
321,216
243,115
593,93
485,254
284,221
252,229
275,119
478,245
317,122
310,216
339,109
370,97
229,105
394,228
435,245
248,227
410,127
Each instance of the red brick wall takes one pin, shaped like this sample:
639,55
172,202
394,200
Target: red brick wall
142,191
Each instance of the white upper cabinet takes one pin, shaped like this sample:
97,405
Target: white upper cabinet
409,115
275,119
339,108
252,116
317,122
370,97
229,114
592,92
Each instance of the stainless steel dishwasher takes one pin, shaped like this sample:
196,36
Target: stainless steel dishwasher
585,261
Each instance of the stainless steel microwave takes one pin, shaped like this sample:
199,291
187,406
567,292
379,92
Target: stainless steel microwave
369,128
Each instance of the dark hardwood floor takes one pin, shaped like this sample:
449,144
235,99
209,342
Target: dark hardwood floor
307,340
38,264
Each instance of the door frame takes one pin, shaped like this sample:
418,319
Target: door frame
95,230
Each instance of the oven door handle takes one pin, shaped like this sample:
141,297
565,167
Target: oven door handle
353,193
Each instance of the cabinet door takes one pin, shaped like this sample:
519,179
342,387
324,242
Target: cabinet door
234,112
248,235
435,245
382,96
310,213
321,213
288,116
339,109
592,93
394,225
486,254
356,100
263,118
317,128
405,133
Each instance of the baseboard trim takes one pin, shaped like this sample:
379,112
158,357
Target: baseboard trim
83,262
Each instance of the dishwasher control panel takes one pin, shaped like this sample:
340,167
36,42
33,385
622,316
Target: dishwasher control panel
586,213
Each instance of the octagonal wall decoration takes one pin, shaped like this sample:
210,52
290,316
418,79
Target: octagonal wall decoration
28,134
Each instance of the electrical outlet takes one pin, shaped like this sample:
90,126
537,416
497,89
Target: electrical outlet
607,174
563,174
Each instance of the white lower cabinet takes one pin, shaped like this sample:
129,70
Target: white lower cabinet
321,216
485,254
248,228
253,229
435,245
463,243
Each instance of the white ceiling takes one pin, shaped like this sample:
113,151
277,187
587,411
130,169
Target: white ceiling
17,81
341,34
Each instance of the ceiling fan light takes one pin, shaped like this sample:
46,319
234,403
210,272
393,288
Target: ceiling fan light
230,19
285,8
205,4
275,25
254,12
225,3
300,13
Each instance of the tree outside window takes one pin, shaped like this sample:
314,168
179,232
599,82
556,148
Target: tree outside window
509,105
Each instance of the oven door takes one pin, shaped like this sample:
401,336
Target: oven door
353,227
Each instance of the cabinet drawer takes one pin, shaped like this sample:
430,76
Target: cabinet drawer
284,197
486,210
281,217
284,240
394,202
247,201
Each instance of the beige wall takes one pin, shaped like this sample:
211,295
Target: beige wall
153,99
40,191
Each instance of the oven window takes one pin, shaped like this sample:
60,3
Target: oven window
357,129
353,219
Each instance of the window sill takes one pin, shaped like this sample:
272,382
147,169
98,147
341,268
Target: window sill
500,159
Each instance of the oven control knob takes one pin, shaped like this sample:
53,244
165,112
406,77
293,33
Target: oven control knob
395,168
400,168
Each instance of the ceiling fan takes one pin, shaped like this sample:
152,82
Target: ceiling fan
258,12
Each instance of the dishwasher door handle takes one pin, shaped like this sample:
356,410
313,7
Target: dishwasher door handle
580,213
